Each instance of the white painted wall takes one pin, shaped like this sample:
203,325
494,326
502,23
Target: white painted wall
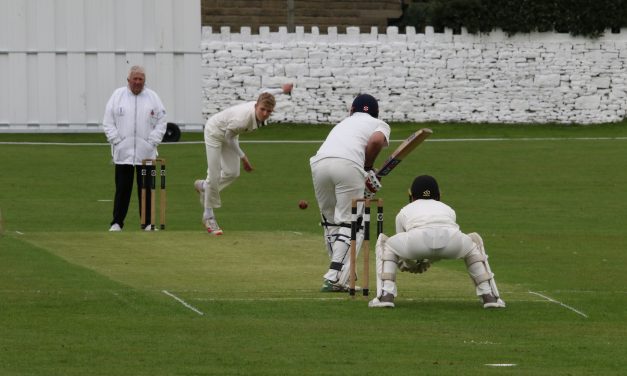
537,77
60,60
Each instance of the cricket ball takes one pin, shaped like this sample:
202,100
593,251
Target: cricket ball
303,204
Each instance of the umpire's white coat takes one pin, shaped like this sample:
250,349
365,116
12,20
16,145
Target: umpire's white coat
134,125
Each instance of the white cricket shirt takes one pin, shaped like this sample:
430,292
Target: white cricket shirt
426,213
348,139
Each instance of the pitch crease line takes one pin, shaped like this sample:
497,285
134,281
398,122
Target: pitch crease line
182,302
560,303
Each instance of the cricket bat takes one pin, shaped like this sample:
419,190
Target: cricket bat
403,150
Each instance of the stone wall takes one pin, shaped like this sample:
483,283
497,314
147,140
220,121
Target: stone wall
531,78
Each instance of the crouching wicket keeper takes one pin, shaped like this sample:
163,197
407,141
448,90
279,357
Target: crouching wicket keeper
426,231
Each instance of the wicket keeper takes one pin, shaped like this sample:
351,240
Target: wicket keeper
427,231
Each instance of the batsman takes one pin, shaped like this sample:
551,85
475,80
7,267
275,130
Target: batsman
342,170
426,231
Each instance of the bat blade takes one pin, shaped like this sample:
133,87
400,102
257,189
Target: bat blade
403,150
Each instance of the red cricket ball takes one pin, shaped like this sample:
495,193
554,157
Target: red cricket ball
303,204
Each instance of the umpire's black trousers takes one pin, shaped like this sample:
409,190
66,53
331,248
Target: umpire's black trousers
124,189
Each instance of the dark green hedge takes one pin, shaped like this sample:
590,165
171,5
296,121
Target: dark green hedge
578,17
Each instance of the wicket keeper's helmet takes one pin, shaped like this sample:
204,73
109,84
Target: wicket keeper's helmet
365,103
425,187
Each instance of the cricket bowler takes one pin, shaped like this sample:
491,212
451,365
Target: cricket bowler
224,153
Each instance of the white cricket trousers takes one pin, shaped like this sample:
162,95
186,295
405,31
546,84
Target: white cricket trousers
433,243
223,167
337,181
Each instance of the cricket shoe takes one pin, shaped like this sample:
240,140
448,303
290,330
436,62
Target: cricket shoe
199,186
385,301
211,225
328,286
490,301
115,228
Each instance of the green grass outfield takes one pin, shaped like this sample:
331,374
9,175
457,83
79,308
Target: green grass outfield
550,202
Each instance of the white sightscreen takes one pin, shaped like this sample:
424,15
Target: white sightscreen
60,60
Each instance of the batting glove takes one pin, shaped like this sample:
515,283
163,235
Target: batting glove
373,184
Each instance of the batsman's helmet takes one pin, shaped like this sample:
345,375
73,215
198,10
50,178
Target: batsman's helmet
425,187
365,103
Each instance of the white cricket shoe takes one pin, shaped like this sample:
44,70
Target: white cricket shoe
199,186
385,301
211,225
149,228
490,301
115,228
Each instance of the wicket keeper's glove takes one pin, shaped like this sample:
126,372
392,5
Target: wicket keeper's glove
418,266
